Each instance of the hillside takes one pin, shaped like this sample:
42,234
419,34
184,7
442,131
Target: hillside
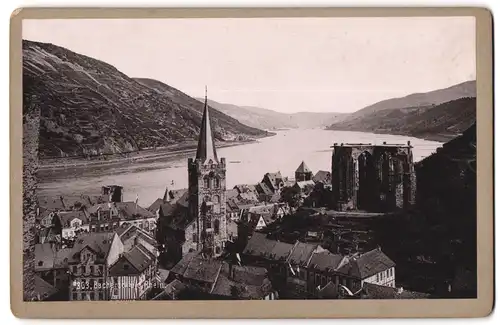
440,114
88,107
436,97
271,120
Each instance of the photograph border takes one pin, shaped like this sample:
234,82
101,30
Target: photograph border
482,306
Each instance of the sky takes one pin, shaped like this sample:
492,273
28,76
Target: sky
285,64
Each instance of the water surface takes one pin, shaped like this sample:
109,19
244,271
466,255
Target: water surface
246,164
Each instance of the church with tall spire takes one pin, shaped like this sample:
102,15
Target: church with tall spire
206,192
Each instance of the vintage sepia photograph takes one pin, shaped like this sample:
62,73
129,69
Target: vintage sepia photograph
283,158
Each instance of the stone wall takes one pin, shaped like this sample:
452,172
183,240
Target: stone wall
31,127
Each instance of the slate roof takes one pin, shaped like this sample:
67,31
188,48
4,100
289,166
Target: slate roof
167,209
48,235
155,206
131,210
325,261
367,264
139,257
281,251
225,285
204,270
264,189
51,203
174,288
206,143
305,184
303,168
329,291
182,265
126,231
374,291
175,195
67,216
322,176
62,257
302,253
232,193
99,242
259,245
47,257
274,179
70,201
44,257
43,289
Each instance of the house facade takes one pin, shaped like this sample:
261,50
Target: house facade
89,263
303,268
133,274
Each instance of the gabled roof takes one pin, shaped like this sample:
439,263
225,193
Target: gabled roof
174,288
301,253
182,265
264,189
47,257
305,184
205,270
67,216
155,205
98,242
44,256
206,143
322,176
139,258
166,209
367,264
232,193
303,168
242,282
274,179
260,246
43,289
325,261
175,195
374,291
127,231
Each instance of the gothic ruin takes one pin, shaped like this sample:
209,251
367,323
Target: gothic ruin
372,178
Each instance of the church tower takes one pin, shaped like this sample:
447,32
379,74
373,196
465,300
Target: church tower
207,188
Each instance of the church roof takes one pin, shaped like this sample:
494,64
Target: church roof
303,168
206,144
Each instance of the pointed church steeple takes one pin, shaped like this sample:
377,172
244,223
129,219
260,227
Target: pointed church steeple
206,144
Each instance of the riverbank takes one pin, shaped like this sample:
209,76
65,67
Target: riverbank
437,137
149,155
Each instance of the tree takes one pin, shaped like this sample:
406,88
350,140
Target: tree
291,196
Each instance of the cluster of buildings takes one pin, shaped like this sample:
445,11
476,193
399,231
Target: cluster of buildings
212,242
95,248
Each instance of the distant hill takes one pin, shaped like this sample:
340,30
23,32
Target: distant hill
271,120
88,107
439,114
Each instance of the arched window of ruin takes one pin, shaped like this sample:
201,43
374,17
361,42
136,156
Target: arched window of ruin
216,182
216,226
383,168
207,222
206,182
216,199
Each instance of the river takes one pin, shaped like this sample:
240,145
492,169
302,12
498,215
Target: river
246,164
